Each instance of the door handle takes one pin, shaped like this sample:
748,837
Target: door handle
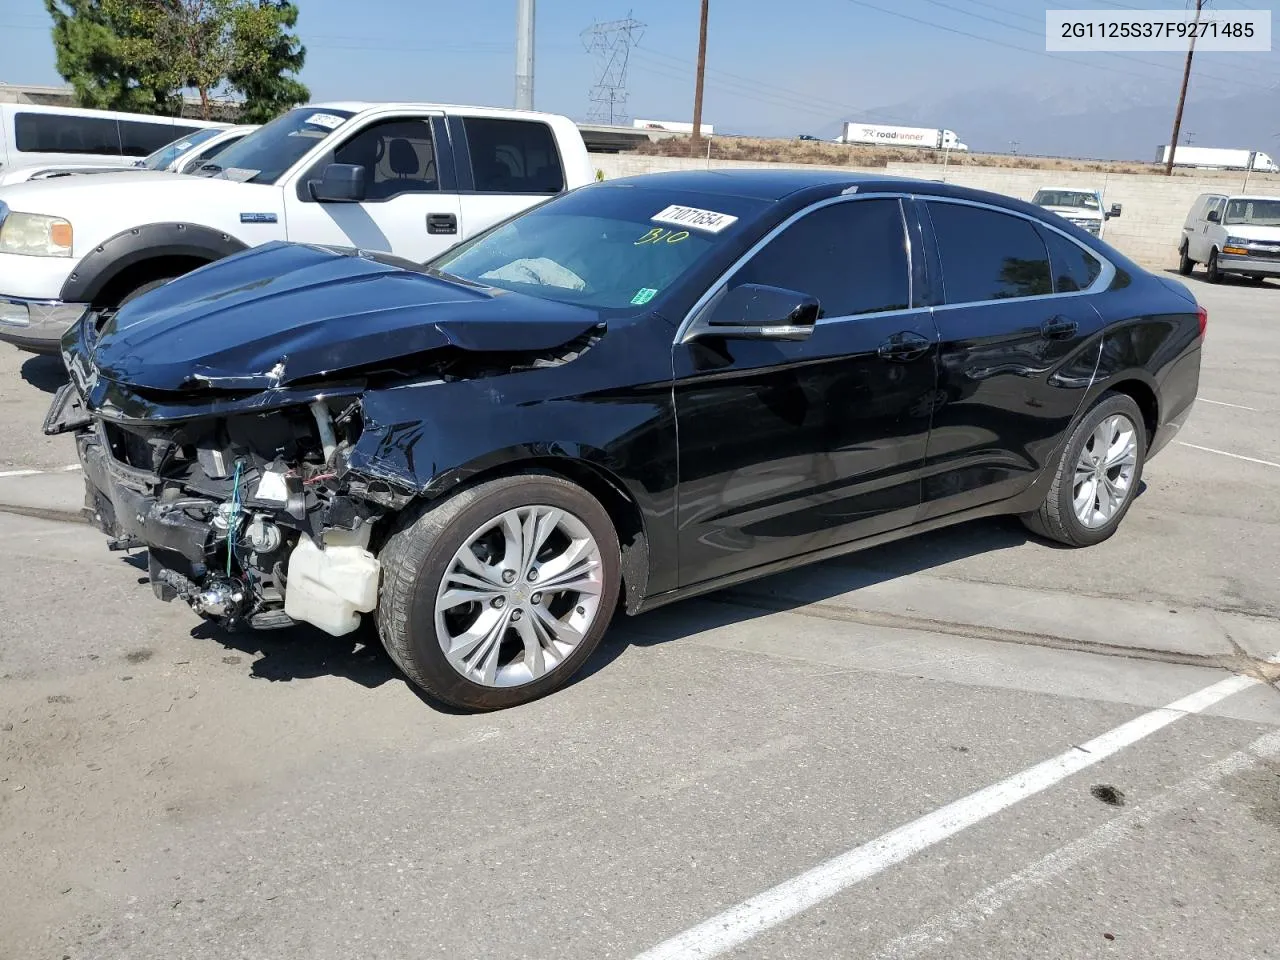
1058,328
439,223
904,347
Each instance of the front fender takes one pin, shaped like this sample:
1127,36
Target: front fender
110,258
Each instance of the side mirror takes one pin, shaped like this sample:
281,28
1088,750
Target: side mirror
1214,216
1114,211
754,311
339,183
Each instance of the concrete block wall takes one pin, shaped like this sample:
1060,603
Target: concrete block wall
1148,229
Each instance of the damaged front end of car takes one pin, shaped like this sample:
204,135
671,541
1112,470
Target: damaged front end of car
251,518
234,445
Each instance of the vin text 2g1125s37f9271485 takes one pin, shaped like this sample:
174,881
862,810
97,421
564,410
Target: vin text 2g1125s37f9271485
637,391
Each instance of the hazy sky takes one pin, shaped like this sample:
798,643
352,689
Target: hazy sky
773,67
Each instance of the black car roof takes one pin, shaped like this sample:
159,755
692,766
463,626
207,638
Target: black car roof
767,184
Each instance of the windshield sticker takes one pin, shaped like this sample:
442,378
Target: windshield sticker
326,120
662,235
239,174
643,296
184,145
707,220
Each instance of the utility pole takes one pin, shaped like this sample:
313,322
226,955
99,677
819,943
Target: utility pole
697,91
1182,96
524,54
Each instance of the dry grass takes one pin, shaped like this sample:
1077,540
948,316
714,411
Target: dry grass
839,155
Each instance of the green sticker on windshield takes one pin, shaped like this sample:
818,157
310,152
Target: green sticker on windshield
643,295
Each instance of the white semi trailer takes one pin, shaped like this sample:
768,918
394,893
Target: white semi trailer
933,137
1218,158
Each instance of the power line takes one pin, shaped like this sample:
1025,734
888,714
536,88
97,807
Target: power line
610,46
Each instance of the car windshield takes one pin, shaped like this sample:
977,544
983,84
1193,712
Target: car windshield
264,155
603,247
1263,213
1067,198
170,152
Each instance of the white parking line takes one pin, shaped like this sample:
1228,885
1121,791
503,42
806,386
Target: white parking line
1233,456
5,474
753,917
941,930
1223,403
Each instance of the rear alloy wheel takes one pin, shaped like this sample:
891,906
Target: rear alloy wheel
1185,263
1097,475
1215,275
498,595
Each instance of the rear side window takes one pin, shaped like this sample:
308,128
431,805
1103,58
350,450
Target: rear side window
1074,268
139,138
851,256
513,156
68,133
987,255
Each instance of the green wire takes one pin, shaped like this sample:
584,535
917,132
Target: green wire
233,521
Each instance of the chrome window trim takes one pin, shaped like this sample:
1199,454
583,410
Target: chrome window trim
689,327
1101,282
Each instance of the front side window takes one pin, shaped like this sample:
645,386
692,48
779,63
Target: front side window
852,257
1262,213
513,156
988,255
617,248
397,155
265,155
66,133
1074,268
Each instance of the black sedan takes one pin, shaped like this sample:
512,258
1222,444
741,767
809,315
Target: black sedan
638,391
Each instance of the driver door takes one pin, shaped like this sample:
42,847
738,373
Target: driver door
408,210
791,447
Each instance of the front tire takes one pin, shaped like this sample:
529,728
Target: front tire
1215,274
1185,263
498,595
1097,475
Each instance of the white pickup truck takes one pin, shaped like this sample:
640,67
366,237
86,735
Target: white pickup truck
407,179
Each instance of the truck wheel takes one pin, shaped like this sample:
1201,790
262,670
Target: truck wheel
147,287
1215,275
1185,263
498,595
1097,475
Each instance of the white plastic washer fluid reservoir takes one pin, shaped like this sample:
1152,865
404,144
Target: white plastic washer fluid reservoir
331,586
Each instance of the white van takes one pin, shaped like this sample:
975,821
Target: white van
1232,234
39,135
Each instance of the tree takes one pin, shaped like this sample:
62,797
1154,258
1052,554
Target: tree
267,54
90,41
141,54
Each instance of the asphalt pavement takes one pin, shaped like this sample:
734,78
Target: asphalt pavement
966,744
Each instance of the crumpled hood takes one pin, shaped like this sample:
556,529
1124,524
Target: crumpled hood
284,312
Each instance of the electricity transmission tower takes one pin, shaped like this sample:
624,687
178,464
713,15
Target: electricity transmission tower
610,47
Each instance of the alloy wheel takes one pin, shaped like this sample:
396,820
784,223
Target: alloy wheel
518,596
1104,471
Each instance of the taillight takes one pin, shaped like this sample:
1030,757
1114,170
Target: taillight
1203,314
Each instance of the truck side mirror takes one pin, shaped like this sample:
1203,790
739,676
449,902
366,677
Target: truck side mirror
339,183
1114,211
1214,216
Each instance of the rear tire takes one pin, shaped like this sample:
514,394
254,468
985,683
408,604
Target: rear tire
1185,263
1087,500
456,575
1215,275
